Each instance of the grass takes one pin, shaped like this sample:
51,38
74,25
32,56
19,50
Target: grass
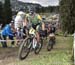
60,55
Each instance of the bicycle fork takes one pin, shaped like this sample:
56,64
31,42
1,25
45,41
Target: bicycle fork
34,42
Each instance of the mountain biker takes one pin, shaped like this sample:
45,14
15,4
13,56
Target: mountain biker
19,19
52,28
34,20
19,22
8,31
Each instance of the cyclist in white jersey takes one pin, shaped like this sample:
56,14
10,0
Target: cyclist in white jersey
20,17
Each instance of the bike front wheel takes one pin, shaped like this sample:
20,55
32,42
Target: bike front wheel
24,49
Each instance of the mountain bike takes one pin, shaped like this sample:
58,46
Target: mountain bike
51,41
29,43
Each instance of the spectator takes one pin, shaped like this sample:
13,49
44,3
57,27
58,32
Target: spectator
8,31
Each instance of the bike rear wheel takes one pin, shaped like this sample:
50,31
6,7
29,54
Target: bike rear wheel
38,47
50,45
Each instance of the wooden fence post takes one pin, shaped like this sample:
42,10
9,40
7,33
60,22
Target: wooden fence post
74,47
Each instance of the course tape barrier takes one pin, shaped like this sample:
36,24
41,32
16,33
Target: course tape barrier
11,40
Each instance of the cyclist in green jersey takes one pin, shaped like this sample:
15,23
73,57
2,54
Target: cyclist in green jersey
35,20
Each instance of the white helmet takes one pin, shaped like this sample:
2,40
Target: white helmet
21,13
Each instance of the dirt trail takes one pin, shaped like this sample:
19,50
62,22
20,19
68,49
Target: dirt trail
8,56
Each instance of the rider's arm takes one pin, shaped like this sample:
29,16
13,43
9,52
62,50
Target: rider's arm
41,21
39,18
25,22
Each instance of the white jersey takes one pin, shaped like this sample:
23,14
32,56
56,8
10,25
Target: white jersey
19,19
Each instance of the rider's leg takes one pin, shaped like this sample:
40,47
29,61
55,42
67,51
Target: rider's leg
38,37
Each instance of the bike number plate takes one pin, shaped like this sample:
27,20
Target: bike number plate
32,31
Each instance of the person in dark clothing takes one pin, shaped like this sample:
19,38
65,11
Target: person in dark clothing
53,29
